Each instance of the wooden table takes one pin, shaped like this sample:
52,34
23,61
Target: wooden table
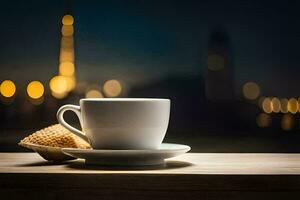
190,176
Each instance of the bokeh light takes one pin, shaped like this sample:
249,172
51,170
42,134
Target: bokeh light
67,20
35,89
215,62
93,93
66,69
251,90
112,88
266,105
7,88
293,105
263,120
287,122
67,30
58,85
276,105
284,105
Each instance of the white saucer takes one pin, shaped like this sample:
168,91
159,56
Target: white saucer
128,157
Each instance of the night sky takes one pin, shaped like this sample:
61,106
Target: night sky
144,41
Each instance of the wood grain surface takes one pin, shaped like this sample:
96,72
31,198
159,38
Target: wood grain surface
192,176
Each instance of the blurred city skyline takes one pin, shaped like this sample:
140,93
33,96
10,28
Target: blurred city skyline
141,41
230,68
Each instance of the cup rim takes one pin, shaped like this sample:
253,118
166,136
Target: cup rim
124,99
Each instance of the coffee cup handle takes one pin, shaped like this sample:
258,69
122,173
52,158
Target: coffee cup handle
61,120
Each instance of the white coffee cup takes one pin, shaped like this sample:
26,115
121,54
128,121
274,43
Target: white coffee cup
120,123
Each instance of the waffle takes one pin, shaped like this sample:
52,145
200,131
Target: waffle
49,141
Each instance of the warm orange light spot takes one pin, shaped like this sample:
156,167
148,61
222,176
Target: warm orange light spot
215,62
66,69
287,122
67,30
93,94
7,88
276,105
263,120
67,20
35,89
58,85
251,90
293,105
112,88
266,105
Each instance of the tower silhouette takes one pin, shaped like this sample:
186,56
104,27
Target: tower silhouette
219,84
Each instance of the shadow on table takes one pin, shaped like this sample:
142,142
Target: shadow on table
79,164
45,163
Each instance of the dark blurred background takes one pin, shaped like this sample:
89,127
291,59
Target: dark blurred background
230,68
